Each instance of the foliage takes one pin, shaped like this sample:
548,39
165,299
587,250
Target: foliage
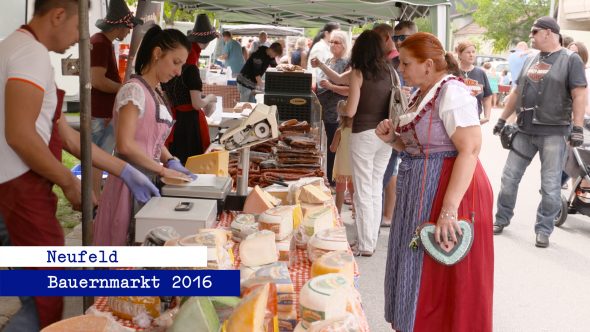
424,24
174,13
506,21
67,217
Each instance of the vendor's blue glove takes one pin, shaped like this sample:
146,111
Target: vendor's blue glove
177,166
142,188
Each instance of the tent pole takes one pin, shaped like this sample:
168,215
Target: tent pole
86,145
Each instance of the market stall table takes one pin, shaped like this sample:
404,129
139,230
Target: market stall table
299,270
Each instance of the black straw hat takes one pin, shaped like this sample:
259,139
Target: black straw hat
118,15
203,32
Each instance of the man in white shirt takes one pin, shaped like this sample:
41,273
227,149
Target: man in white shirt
31,138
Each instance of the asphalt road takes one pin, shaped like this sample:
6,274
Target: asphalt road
534,289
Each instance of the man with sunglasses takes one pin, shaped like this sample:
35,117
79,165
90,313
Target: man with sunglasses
550,89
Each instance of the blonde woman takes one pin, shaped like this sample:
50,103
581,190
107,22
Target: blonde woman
299,54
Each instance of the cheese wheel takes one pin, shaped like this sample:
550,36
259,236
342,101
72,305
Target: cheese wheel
335,262
327,240
279,220
84,323
242,226
323,297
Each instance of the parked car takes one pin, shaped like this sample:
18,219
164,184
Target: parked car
480,59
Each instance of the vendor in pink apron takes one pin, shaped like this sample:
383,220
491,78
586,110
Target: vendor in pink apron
31,138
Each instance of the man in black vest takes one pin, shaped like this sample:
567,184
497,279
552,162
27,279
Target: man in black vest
550,88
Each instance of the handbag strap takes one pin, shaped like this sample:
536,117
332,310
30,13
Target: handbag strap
423,189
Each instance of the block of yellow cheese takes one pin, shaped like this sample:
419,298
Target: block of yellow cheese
249,314
259,201
216,163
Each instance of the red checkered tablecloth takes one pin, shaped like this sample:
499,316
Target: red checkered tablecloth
230,93
299,269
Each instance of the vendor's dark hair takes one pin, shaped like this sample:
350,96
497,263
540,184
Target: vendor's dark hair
41,7
167,39
328,27
277,48
368,54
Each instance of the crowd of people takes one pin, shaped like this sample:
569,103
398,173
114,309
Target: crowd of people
404,169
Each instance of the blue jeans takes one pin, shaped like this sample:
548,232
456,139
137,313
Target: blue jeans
103,134
246,94
552,154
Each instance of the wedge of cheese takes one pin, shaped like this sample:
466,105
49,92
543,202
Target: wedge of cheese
84,323
313,194
259,201
259,249
278,191
279,220
318,220
249,314
216,163
196,314
335,262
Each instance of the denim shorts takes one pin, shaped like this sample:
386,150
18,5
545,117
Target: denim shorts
392,167
103,135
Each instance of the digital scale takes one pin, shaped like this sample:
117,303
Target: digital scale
206,186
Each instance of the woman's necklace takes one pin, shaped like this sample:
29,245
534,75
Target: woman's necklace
465,73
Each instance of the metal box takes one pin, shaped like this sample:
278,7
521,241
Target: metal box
159,211
287,82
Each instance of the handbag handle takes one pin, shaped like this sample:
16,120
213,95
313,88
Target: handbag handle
395,113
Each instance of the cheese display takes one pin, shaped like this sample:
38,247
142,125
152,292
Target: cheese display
271,318
249,314
127,307
313,194
279,191
323,297
278,220
259,201
196,314
284,249
242,226
327,240
218,257
259,249
335,262
295,188
85,323
216,163
318,220
278,274
346,323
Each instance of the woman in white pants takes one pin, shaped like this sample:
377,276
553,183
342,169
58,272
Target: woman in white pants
368,104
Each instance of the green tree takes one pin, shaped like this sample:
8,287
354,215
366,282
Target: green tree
173,12
506,21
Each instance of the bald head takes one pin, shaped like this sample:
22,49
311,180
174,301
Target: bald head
522,46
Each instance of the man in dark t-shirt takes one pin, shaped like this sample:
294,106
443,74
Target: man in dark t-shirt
551,89
104,77
250,77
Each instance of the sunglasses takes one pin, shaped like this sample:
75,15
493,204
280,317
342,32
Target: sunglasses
399,38
534,31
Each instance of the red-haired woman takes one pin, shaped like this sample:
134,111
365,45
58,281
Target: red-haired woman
440,180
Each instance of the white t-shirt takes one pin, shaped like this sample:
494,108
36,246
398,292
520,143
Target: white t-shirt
320,50
25,59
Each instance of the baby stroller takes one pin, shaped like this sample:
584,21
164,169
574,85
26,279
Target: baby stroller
578,168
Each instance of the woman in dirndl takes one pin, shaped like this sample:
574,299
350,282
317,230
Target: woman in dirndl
440,180
190,133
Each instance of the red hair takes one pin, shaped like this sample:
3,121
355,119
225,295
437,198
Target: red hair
424,46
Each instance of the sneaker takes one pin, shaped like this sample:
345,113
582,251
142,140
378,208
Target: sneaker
367,253
498,229
542,241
